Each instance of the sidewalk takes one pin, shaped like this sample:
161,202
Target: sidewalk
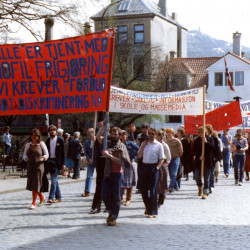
15,183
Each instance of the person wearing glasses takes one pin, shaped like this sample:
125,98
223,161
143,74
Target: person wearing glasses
152,154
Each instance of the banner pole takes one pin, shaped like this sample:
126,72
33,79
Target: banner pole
106,131
204,123
95,120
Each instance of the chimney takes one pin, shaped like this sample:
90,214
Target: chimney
163,7
236,43
243,54
174,16
172,54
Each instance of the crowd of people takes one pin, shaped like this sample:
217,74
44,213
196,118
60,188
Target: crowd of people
154,162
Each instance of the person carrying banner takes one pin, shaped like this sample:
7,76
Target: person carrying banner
240,145
208,161
116,158
152,154
226,139
218,159
176,151
35,154
56,161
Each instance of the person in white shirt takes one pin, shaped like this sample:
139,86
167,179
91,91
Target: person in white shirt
7,140
152,154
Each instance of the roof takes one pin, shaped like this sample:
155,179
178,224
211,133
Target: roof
131,8
195,66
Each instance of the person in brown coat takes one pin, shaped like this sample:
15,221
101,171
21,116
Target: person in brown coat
35,153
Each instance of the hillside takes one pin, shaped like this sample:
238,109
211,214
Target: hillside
203,45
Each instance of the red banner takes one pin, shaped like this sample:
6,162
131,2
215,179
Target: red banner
225,117
61,76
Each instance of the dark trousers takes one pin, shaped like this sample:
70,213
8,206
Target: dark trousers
76,168
97,201
149,187
207,173
111,193
139,174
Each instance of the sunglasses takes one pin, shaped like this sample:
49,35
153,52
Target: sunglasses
151,133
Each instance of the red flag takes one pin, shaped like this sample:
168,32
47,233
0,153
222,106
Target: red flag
225,117
228,77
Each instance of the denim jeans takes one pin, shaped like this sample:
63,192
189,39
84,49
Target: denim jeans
212,178
239,162
226,160
149,187
111,193
197,176
54,188
76,168
173,170
90,172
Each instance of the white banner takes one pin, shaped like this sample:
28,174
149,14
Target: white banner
245,111
188,102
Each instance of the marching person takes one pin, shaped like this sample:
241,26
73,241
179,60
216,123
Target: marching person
35,153
208,161
226,139
88,149
140,138
247,161
152,154
163,171
75,149
176,151
240,145
68,161
129,179
116,158
56,161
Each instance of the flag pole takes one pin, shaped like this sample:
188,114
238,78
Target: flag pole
95,120
204,123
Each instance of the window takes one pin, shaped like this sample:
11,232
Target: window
232,78
123,6
173,119
122,34
139,33
218,79
138,66
239,78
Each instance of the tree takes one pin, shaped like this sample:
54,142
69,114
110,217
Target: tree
18,14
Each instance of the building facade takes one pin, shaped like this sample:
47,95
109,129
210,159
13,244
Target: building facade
146,34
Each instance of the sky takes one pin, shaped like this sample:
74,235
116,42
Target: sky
217,18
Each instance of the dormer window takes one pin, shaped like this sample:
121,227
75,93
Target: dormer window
123,6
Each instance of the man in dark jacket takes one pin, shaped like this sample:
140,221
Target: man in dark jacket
208,161
55,163
75,149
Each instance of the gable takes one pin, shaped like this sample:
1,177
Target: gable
233,63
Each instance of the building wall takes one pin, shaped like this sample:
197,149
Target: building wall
223,93
164,37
